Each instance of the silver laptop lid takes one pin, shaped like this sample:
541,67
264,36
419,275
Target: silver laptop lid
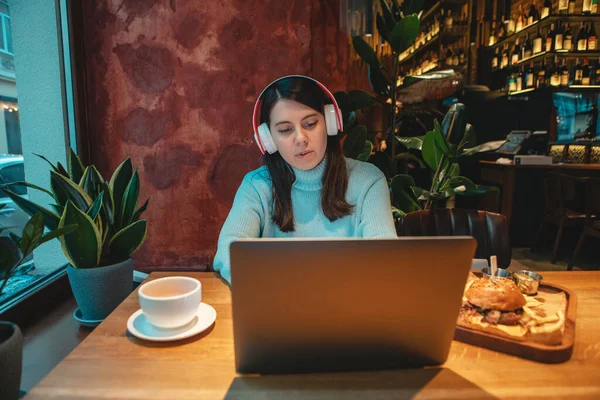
308,305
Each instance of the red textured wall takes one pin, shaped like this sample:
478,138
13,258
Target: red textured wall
172,84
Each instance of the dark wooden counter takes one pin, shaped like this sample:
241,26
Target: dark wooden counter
521,196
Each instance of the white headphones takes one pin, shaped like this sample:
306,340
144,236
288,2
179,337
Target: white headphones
262,134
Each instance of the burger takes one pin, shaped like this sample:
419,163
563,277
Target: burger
497,306
498,301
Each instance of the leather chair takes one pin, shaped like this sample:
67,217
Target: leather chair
591,225
560,191
489,229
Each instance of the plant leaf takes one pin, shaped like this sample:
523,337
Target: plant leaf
450,171
54,167
397,214
425,195
366,52
440,139
465,187
128,240
118,184
83,247
432,154
382,27
62,170
403,197
454,124
65,190
140,210
379,82
359,99
30,185
57,233
94,209
32,233
388,17
91,181
414,142
75,165
404,33
354,143
130,200
59,209
469,139
108,205
51,219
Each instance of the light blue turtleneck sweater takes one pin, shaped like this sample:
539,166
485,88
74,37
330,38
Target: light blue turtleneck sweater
251,215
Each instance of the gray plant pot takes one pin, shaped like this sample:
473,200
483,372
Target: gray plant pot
11,359
98,291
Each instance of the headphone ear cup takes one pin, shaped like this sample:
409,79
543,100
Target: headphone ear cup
331,120
266,138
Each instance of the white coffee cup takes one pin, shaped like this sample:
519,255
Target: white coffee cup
170,302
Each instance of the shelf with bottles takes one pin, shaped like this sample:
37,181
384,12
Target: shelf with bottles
549,54
432,63
558,41
453,4
451,56
446,26
435,35
559,76
526,23
570,88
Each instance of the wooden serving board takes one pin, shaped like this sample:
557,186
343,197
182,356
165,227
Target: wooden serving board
527,349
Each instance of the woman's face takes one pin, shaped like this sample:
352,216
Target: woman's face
299,133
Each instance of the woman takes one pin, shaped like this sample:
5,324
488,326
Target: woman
307,188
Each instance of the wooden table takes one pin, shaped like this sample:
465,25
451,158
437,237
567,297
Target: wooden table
112,364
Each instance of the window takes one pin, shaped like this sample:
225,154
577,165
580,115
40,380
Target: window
32,121
6,45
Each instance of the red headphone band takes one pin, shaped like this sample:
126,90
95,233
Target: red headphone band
255,121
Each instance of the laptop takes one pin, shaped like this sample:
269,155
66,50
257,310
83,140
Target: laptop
332,305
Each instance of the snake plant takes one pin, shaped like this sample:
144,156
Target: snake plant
106,213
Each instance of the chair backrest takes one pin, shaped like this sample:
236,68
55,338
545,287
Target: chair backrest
593,196
489,229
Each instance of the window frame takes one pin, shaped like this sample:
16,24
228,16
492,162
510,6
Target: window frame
4,18
17,308
4,49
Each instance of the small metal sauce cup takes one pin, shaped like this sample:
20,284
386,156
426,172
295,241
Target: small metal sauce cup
502,273
527,281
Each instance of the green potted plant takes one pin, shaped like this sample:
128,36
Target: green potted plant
109,229
13,251
440,148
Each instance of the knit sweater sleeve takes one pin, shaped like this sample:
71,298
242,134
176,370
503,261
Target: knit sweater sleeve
245,220
376,219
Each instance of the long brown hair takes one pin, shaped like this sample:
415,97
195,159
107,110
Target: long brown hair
335,177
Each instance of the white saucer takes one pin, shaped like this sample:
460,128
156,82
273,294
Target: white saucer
139,326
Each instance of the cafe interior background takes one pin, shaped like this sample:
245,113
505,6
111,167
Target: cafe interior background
171,84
